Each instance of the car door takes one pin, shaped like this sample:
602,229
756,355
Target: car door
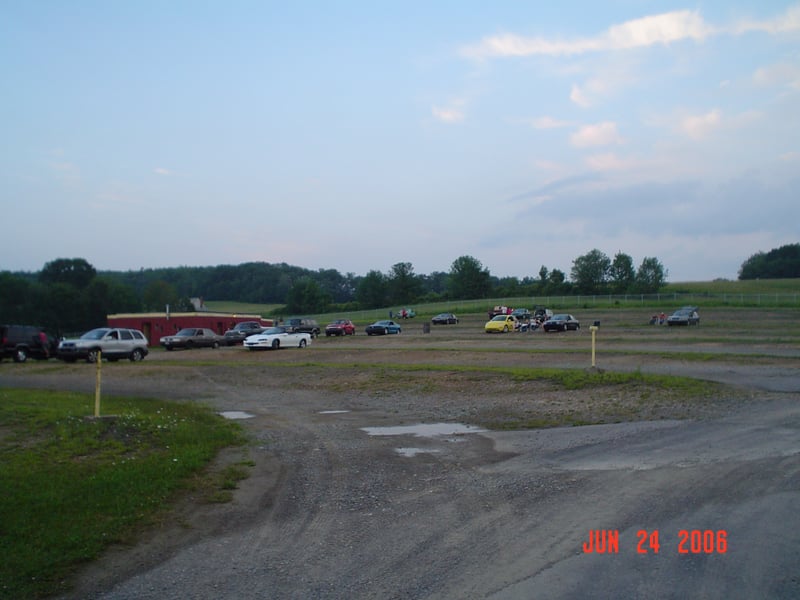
112,344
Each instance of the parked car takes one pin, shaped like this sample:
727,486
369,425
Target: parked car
278,337
302,325
111,343
445,319
498,310
686,315
522,314
193,337
561,322
241,330
21,341
383,328
501,324
340,327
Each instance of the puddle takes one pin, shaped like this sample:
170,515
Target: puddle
411,452
333,412
236,414
424,429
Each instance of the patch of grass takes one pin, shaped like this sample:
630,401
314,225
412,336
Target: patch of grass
72,485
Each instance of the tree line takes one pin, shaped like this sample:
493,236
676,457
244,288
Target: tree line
70,295
780,263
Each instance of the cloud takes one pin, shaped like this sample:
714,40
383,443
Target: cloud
453,113
699,126
162,171
661,29
601,134
781,74
609,162
785,23
579,97
549,123
647,31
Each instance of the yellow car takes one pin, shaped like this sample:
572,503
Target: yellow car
501,324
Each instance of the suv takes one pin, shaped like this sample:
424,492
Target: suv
302,325
241,330
113,343
21,341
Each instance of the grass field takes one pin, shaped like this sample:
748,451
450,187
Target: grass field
709,294
73,485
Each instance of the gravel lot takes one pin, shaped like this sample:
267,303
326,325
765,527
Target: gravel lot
351,497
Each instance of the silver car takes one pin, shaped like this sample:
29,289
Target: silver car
105,342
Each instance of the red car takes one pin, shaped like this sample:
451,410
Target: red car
340,327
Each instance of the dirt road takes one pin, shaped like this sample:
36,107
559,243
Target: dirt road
351,497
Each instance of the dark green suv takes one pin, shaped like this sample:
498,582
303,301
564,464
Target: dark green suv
303,325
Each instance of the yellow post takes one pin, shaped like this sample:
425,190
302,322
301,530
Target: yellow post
593,329
97,385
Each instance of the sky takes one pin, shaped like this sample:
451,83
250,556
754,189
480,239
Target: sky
357,135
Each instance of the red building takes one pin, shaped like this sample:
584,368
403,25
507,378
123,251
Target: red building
156,325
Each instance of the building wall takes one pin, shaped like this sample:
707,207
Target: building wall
156,325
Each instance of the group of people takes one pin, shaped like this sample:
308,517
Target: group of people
658,319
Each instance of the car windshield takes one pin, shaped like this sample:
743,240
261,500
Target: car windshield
560,317
185,333
273,330
95,334
499,318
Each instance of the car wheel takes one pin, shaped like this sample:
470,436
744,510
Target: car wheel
505,329
302,343
136,355
20,355
215,345
276,344
189,345
386,331
92,356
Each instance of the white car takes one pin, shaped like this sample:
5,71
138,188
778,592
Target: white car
277,337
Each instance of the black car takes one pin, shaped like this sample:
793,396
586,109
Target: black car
241,330
561,322
445,319
21,341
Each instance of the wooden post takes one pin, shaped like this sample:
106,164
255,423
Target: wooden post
97,384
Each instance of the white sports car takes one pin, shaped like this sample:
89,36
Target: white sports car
277,337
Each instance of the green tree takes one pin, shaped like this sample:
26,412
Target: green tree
372,290
590,272
651,276
72,271
404,286
468,279
158,294
779,263
307,296
621,274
